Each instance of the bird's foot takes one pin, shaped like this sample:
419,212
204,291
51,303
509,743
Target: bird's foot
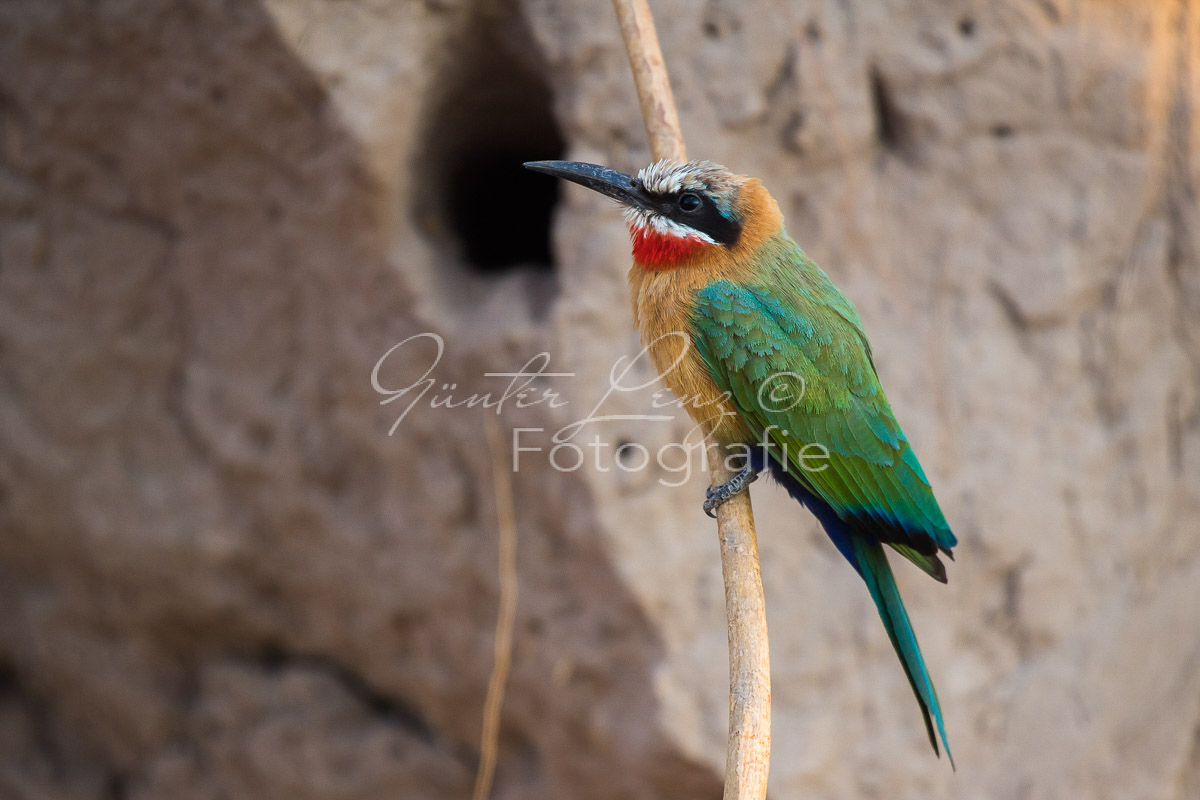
717,496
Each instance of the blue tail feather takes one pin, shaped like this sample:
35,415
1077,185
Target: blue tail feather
874,567
869,560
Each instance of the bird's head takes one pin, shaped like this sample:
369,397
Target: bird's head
676,212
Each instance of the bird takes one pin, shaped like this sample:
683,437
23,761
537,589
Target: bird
774,359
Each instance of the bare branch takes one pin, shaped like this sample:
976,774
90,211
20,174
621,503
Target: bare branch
749,749
507,529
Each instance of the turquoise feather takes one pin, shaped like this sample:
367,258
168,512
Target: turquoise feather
793,330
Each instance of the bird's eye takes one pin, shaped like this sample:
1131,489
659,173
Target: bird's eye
689,202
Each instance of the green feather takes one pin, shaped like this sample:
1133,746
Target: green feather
793,322
790,350
873,566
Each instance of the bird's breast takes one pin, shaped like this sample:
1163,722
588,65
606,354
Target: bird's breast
662,309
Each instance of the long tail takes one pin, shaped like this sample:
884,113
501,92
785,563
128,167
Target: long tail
873,565
868,559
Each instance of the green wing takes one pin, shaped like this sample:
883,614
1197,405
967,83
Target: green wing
792,354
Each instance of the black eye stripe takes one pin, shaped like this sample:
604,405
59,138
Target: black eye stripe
705,217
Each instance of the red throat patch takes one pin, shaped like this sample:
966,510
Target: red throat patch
662,251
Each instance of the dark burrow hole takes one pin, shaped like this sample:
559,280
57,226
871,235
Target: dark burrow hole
891,126
501,212
495,112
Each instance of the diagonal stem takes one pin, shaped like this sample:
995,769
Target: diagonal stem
507,530
650,78
748,751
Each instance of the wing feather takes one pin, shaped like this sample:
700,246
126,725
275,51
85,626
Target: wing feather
804,344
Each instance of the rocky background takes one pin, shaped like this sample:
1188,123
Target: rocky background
220,577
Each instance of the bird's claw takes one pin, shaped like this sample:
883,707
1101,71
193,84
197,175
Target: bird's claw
717,496
710,501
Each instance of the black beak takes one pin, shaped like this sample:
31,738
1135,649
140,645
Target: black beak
616,185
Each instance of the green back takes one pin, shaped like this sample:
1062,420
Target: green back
791,351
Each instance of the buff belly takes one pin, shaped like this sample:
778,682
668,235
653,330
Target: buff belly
684,373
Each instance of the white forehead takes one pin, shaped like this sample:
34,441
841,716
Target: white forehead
670,177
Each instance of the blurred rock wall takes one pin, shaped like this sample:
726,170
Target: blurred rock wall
221,577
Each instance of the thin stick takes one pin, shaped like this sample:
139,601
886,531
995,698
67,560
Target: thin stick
507,528
749,749
650,77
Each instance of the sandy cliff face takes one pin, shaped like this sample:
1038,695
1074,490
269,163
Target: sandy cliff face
221,577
